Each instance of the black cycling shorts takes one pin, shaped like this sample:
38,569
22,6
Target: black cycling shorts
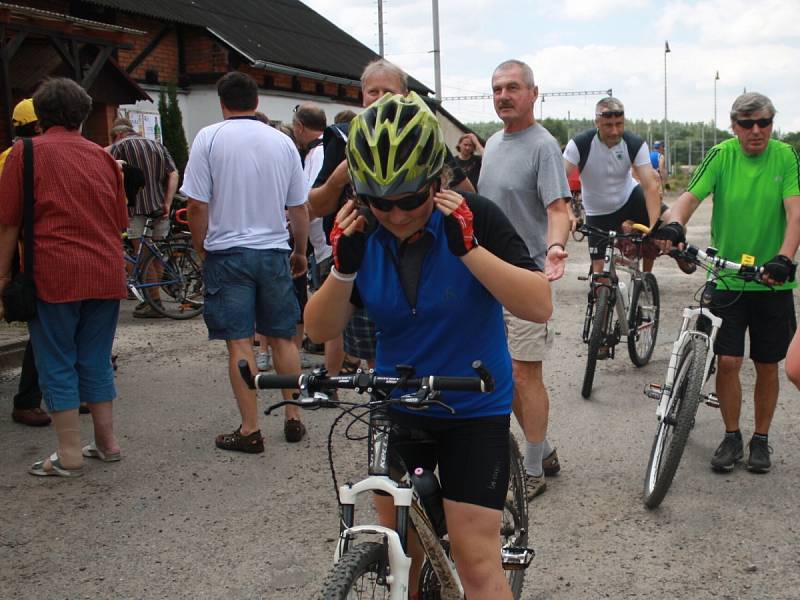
472,454
769,317
634,209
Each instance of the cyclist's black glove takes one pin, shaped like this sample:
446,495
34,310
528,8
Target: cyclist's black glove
780,269
458,227
348,250
672,232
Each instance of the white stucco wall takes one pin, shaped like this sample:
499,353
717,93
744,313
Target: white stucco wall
200,107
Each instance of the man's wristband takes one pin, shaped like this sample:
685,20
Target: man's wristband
342,277
559,244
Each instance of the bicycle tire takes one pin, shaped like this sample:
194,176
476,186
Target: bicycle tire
359,573
180,283
597,336
514,524
513,529
643,328
673,430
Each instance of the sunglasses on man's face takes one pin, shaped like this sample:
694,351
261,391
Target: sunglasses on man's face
608,114
406,203
749,123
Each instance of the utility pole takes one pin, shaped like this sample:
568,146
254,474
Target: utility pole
437,67
380,27
716,79
666,133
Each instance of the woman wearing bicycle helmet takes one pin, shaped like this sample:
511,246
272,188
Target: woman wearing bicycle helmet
433,268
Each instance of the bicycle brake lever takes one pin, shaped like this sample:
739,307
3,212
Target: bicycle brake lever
447,407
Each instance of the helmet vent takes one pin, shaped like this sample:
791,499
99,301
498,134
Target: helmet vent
364,150
383,147
370,116
389,112
404,149
407,113
425,155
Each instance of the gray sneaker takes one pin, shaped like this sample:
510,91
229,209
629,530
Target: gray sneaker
263,361
728,453
758,461
534,486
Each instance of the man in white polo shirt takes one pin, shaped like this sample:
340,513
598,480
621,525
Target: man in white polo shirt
605,157
241,176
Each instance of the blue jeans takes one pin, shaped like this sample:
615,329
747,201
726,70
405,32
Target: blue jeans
249,291
72,345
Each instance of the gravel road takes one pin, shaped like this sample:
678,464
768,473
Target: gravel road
178,518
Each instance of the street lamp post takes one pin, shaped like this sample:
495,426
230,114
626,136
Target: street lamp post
716,79
666,133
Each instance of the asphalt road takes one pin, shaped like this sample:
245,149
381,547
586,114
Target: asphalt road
178,518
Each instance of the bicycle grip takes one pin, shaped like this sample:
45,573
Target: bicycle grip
277,382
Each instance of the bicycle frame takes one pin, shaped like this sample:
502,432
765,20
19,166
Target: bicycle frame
396,539
135,285
685,333
609,278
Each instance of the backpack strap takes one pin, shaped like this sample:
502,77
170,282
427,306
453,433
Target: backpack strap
634,144
584,143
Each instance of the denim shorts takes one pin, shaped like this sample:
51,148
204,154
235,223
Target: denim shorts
72,347
249,291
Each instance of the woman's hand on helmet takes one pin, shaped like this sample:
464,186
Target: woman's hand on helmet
348,239
457,221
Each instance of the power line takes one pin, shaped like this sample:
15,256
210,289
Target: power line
607,92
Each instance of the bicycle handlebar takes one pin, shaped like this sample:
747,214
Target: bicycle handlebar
710,259
639,231
318,381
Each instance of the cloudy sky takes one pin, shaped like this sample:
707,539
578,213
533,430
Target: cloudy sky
596,45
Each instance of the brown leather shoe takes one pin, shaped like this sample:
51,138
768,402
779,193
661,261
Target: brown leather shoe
33,417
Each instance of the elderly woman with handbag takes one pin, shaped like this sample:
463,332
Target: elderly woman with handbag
76,268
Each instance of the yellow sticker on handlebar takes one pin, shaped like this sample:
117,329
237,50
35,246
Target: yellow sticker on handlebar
748,260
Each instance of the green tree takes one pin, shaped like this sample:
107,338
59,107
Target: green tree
172,134
793,139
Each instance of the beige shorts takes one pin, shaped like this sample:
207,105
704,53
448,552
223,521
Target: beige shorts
528,341
136,225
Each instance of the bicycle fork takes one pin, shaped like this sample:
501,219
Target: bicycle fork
663,393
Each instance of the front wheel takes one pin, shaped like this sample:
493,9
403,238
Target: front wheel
514,525
677,422
643,326
360,573
597,336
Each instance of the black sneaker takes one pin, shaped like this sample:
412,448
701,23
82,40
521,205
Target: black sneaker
758,460
727,454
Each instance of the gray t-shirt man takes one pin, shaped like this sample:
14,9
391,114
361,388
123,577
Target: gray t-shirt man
523,173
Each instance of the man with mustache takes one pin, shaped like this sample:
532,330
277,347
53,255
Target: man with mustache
755,181
522,173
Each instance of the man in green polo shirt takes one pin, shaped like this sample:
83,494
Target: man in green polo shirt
755,181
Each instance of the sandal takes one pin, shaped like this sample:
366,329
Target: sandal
350,367
294,430
55,468
92,451
251,444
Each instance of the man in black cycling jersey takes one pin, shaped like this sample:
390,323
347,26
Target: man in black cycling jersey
605,157
434,269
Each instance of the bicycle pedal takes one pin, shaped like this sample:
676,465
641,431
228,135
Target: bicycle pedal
653,390
516,558
711,400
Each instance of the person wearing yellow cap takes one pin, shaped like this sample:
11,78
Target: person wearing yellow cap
28,399
25,123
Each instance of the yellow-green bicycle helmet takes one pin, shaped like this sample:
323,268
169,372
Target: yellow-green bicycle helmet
394,147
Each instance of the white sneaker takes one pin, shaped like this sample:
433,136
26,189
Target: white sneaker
263,361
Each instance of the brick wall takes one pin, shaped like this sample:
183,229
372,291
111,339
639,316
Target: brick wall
203,53
163,59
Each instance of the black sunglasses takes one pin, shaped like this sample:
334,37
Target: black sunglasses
406,203
607,114
748,123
